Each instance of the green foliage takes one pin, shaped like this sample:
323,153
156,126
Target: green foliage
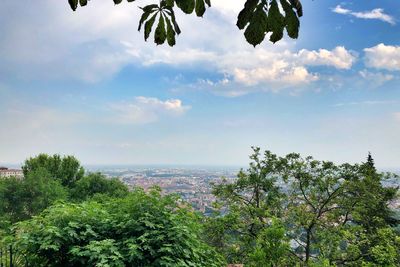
20,199
187,6
66,169
259,17
282,211
139,230
271,246
254,201
292,22
262,17
165,30
96,183
332,214
160,34
258,26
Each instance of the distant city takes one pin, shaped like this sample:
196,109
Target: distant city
192,183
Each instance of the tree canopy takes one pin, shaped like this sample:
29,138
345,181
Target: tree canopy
48,179
97,184
143,229
66,169
258,18
291,210
20,199
282,211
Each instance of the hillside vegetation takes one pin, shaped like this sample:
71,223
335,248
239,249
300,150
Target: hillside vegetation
281,211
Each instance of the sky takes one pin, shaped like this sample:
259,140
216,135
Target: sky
85,83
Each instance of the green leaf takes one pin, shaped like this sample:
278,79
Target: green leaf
200,8
117,2
297,5
160,34
170,11
145,15
255,32
148,25
291,20
83,2
276,22
170,33
208,2
169,3
149,7
187,6
246,13
73,4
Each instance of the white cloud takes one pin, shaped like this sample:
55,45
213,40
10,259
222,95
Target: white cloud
277,73
260,69
367,103
375,78
143,110
339,57
77,45
340,10
274,71
383,56
377,13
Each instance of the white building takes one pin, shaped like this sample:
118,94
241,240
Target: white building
6,173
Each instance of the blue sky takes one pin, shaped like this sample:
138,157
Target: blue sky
85,83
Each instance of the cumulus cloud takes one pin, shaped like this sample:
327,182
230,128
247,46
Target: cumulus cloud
277,73
339,57
143,110
260,69
77,45
383,56
377,13
283,69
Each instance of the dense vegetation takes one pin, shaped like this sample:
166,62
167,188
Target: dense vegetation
282,211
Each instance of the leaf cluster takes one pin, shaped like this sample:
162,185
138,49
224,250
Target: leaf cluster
257,18
143,229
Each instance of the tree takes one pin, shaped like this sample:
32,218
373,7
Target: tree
258,18
97,183
143,229
67,170
329,214
20,199
254,204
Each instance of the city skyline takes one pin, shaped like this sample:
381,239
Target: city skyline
86,84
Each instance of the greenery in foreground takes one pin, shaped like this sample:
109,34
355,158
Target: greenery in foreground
282,211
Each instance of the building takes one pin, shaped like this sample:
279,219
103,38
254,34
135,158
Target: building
6,173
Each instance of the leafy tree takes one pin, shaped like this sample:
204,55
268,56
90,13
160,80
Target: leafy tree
257,18
255,203
11,200
20,199
143,229
331,214
97,183
66,169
